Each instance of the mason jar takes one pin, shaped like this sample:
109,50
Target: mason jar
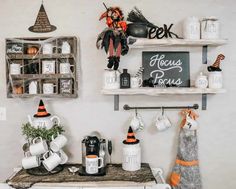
210,27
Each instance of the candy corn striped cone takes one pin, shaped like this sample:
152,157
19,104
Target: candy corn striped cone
42,112
130,137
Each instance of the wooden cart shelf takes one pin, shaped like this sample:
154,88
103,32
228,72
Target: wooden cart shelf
161,91
143,42
115,177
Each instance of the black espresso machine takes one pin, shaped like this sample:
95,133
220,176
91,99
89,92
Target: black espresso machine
93,145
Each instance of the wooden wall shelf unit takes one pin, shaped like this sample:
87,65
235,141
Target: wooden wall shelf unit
66,85
142,43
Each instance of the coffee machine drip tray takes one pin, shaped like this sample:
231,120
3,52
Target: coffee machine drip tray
101,172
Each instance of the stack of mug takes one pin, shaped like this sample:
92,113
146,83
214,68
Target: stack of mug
48,154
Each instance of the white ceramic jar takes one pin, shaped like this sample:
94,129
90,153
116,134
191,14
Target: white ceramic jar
131,157
111,79
191,28
215,80
210,28
201,81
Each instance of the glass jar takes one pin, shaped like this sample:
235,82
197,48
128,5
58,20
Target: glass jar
210,27
201,81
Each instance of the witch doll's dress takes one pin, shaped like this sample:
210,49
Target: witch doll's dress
186,173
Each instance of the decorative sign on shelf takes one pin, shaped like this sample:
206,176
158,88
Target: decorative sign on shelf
167,68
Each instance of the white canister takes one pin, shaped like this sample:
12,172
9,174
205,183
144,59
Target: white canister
33,87
111,79
48,66
210,28
15,69
191,28
215,80
201,81
65,48
131,157
47,48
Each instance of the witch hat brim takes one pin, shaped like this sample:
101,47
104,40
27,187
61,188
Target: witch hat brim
42,23
42,112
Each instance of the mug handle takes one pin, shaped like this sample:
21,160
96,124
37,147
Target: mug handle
57,118
44,155
140,81
101,162
34,140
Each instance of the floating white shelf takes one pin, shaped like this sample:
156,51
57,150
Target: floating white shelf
161,91
144,42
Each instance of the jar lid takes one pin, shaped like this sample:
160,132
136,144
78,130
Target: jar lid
210,18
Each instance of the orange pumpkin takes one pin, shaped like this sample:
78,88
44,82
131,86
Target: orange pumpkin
32,50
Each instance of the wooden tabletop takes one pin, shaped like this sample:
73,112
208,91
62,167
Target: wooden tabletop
115,177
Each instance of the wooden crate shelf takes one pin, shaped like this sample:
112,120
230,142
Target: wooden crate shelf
27,75
38,56
42,76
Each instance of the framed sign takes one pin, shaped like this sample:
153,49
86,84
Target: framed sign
167,68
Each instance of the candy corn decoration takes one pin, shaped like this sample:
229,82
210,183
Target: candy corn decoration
42,112
131,137
216,65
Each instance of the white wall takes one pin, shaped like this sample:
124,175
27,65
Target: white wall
93,111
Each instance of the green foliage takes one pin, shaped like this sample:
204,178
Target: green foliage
30,132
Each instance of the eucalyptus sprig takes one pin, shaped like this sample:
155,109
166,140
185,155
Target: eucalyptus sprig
31,132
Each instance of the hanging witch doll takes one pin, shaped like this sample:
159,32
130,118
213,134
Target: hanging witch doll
113,39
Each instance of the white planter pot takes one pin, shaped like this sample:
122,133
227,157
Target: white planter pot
215,80
131,157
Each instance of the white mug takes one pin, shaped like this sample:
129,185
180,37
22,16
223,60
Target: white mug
137,123
92,164
57,143
48,66
52,161
38,147
30,162
48,88
33,87
15,69
136,82
63,156
65,68
162,122
47,48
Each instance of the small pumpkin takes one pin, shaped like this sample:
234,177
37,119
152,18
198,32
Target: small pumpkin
32,50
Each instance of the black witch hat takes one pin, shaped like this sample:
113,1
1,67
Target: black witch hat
42,23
